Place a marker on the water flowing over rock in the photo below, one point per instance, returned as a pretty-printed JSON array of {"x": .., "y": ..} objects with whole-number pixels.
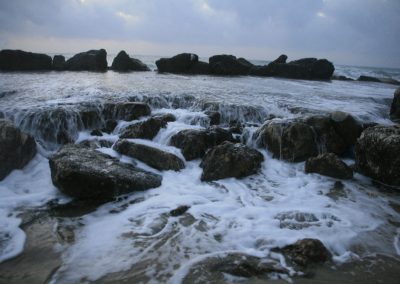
[
  {"x": 307, "y": 251},
  {"x": 230, "y": 160},
  {"x": 126, "y": 110},
  {"x": 123, "y": 63},
  {"x": 85, "y": 173},
  {"x": 59, "y": 63},
  {"x": 328, "y": 165},
  {"x": 16, "y": 148},
  {"x": 146, "y": 129},
  {"x": 395, "y": 107},
  {"x": 185, "y": 63},
  {"x": 377, "y": 154},
  {"x": 214, "y": 116},
  {"x": 92, "y": 60},
  {"x": 229, "y": 65},
  {"x": 18, "y": 60},
  {"x": 153, "y": 157},
  {"x": 194, "y": 143}
]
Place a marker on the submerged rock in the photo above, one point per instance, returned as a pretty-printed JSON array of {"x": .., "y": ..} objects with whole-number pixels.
[
  {"x": 85, "y": 173},
  {"x": 328, "y": 165},
  {"x": 126, "y": 110},
  {"x": 229, "y": 65},
  {"x": 59, "y": 63},
  {"x": 307, "y": 251},
  {"x": 146, "y": 129},
  {"x": 185, "y": 63},
  {"x": 123, "y": 63},
  {"x": 395, "y": 107},
  {"x": 377, "y": 154},
  {"x": 194, "y": 143},
  {"x": 230, "y": 160},
  {"x": 153, "y": 157},
  {"x": 179, "y": 211},
  {"x": 92, "y": 60},
  {"x": 214, "y": 116},
  {"x": 16, "y": 148},
  {"x": 18, "y": 60}
]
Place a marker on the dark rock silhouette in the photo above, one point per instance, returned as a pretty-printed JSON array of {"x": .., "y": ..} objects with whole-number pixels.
[
  {"x": 123, "y": 63},
  {"x": 59, "y": 63},
  {"x": 92, "y": 60},
  {"x": 18, "y": 60}
]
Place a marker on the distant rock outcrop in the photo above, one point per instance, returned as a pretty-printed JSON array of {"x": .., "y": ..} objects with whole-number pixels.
[
  {"x": 59, "y": 63},
  {"x": 18, "y": 60},
  {"x": 365, "y": 78},
  {"x": 395, "y": 107},
  {"x": 229, "y": 65},
  {"x": 123, "y": 63},
  {"x": 92, "y": 60},
  {"x": 184, "y": 63}
]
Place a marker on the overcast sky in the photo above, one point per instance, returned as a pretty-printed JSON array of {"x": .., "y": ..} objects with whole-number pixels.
[{"x": 354, "y": 32}]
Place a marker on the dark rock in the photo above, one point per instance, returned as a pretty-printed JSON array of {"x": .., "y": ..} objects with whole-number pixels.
[
  {"x": 123, "y": 63},
  {"x": 281, "y": 59},
  {"x": 307, "y": 251},
  {"x": 153, "y": 157},
  {"x": 59, "y": 63},
  {"x": 341, "y": 78},
  {"x": 228, "y": 65},
  {"x": 389, "y": 81},
  {"x": 91, "y": 117},
  {"x": 377, "y": 154},
  {"x": 194, "y": 143},
  {"x": 16, "y": 148},
  {"x": 346, "y": 126},
  {"x": 215, "y": 117},
  {"x": 328, "y": 165},
  {"x": 96, "y": 132},
  {"x": 179, "y": 211},
  {"x": 85, "y": 173},
  {"x": 395, "y": 107},
  {"x": 186, "y": 63},
  {"x": 368, "y": 79},
  {"x": 92, "y": 60},
  {"x": 110, "y": 125},
  {"x": 126, "y": 111},
  {"x": 95, "y": 144},
  {"x": 18, "y": 60},
  {"x": 166, "y": 117},
  {"x": 230, "y": 160},
  {"x": 146, "y": 129},
  {"x": 235, "y": 127}
]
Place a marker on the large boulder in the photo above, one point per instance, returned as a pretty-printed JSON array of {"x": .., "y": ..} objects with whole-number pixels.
[
  {"x": 92, "y": 60},
  {"x": 18, "y": 60},
  {"x": 194, "y": 142},
  {"x": 85, "y": 173},
  {"x": 59, "y": 63},
  {"x": 126, "y": 110},
  {"x": 230, "y": 160},
  {"x": 377, "y": 154},
  {"x": 123, "y": 63},
  {"x": 328, "y": 164},
  {"x": 346, "y": 126},
  {"x": 229, "y": 65},
  {"x": 16, "y": 148},
  {"x": 307, "y": 251},
  {"x": 395, "y": 107},
  {"x": 146, "y": 129},
  {"x": 185, "y": 63},
  {"x": 153, "y": 157}
]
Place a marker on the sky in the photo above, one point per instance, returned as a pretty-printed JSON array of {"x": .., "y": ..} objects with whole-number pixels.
[{"x": 351, "y": 32}]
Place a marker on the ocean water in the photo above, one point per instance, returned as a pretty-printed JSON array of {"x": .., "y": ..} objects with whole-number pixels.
[{"x": 134, "y": 238}]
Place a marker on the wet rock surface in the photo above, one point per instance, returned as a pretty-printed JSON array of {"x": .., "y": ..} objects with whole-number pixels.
[
  {"x": 376, "y": 154},
  {"x": 330, "y": 165},
  {"x": 92, "y": 60},
  {"x": 124, "y": 63},
  {"x": 18, "y": 60},
  {"x": 179, "y": 211},
  {"x": 85, "y": 173},
  {"x": 153, "y": 157},
  {"x": 146, "y": 129},
  {"x": 346, "y": 126},
  {"x": 16, "y": 148},
  {"x": 126, "y": 110},
  {"x": 230, "y": 160}
]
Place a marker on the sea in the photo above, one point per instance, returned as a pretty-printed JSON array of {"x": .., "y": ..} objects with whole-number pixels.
[{"x": 133, "y": 239}]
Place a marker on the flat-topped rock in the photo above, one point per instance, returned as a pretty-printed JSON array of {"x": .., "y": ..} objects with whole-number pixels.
[
  {"x": 18, "y": 60},
  {"x": 92, "y": 60},
  {"x": 184, "y": 63}
]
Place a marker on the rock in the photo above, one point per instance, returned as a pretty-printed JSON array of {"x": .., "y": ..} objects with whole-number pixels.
[
  {"x": 58, "y": 63},
  {"x": 346, "y": 126},
  {"x": 92, "y": 60},
  {"x": 194, "y": 143},
  {"x": 85, "y": 173},
  {"x": 166, "y": 117},
  {"x": 18, "y": 60},
  {"x": 376, "y": 154},
  {"x": 16, "y": 148},
  {"x": 185, "y": 63},
  {"x": 110, "y": 125},
  {"x": 368, "y": 79},
  {"x": 126, "y": 111},
  {"x": 179, "y": 211},
  {"x": 307, "y": 251},
  {"x": 293, "y": 141},
  {"x": 235, "y": 127},
  {"x": 281, "y": 59},
  {"x": 389, "y": 81},
  {"x": 228, "y": 65},
  {"x": 395, "y": 107},
  {"x": 328, "y": 165},
  {"x": 214, "y": 116},
  {"x": 153, "y": 157},
  {"x": 91, "y": 117},
  {"x": 230, "y": 160},
  {"x": 146, "y": 129},
  {"x": 123, "y": 63},
  {"x": 96, "y": 132},
  {"x": 341, "y": 78},
  {"x": 94, "y": 144}
]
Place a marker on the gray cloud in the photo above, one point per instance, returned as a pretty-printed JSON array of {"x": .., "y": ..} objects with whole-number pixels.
[{"x": 365, "y": 32}]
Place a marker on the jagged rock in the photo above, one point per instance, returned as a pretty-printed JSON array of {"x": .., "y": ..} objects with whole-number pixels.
[
  {"x": 16, "y": 148},
  {"x": 307, "y": 251},
  {"x": 85, "y": 173},
  {"x": 328, "y": 165},
  {"x": 215, "y": 117},
  {"x": 186, "y": 63},
  {"x": 126, "y": 110},
  {"x": 281, "y": 59},
  {"x": 92, "y": 60},
  {"x": 229, "y": 65},
  {"x": 123, "y": 63},
  {"x": 18, "y": 60},
  {"x": 194, "y": 143},
  {"x": 153, "y": 157},
  {"x": 146, "y": 129},
  {"x": 179, "y": 211},
  {"x": 230, "y": 160},
  {"x": 59, "y": 63},
  {"x": 346, "y": 126},
  {"x": 395, "y": 107},
  {"x": 377, "y": 154}
]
